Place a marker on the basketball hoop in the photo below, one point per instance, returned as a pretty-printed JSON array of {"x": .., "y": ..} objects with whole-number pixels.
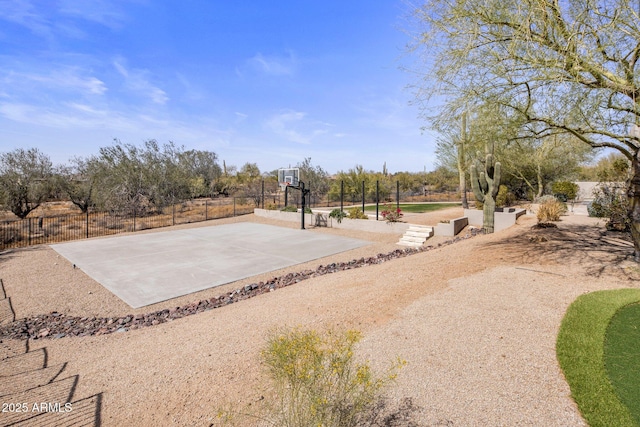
[{"x": 288, "y": 177}]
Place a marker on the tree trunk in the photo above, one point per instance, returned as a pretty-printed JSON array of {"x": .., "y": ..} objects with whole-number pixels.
[
  {"x": 461, "y": 162},
  {"x": 540, "y": 183},
  {"x": 634, "y": 205},
  {"x": 463, "y": 190}
]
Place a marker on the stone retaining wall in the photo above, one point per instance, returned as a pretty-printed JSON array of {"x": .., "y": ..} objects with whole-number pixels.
[
  {"x": 503, "y": 220},
  {"x": 370, "y": 225},
  {"x": 452, "y": 228}
]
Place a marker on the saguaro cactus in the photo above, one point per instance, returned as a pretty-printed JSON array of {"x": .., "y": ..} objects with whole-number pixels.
[{"x": 485, "y": 188}]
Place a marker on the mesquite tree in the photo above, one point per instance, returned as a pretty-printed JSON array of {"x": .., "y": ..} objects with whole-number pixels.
[
  {"x": 569, "y": 66},
  {"x": 26, "y": 179},
  {"x": 485, "y": 188}
]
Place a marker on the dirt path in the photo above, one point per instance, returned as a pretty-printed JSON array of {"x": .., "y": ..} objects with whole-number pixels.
[{"x": 476, "y": 322}]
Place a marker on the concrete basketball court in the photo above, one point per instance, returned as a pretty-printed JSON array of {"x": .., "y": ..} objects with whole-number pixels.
[{"x": 148, "y": 268}]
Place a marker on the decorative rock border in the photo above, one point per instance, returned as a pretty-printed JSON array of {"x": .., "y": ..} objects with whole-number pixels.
[{"x": 57, "y": 325}]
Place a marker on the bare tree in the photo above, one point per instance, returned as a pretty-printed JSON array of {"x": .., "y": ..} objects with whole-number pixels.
[{"x": 570, "y": 66}]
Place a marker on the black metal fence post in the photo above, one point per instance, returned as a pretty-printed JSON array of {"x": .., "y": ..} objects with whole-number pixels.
[
  {"x": 263, "y": 194},
  {"x": 173, "y": 214},
  {"x": 362, "y": 196},
  {"x": 44, "y": 230},
  {"x": 377, "y": 197},
  {"x": 341, "y": 195},
  {"x": 397, "y": 194}
]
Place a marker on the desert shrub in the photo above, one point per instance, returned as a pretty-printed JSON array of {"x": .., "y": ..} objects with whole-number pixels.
[
  {"x": 271, "y": 206},
  {"x": 356, "y": 213},
  {"x": 504, "y": 197},
  {"x": 289, "y": 208},
  {"x": 391, "y": 214},
  {"x": 550, "y": 209},
  {"x": 317, "y": 380},
  {"x": 338, "y": 214},
  {"x": 544, "y": 199},
  {"x": 565, "y": 190},
  {"x": 610, "y": 202}
]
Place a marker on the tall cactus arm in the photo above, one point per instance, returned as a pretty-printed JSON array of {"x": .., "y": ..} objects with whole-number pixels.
[
  {"x": 475, "y": 184},
  {"x": 497, "y": 172},
  {"x": 484, "y": 184}
]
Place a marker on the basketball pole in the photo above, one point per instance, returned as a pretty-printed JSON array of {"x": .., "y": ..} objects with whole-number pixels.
[{"x": 304, "y": 192}]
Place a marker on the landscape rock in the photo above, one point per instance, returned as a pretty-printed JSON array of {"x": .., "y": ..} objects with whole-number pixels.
[{"x": 57, "y": 325}]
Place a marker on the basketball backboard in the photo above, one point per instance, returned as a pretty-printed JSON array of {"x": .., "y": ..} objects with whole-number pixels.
[{"x": 288, "y": 176}]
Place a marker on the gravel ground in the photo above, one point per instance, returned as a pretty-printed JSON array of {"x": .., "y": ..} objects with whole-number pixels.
[{"x": 476, "y": 322}]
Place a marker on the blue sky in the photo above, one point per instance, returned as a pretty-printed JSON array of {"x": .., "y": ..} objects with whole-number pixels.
[{"x": 267, "y": 82}]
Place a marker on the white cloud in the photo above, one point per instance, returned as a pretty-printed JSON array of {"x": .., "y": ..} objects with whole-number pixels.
[
  {"x": 50, "y": 19},
  {"x": 127, "y": 124},
  {"x": 293, "y": 126},
  {"x": 138, "y": 81},
  {"x": 103, "y": 12},
  {"x": 240, "y": 117},
  {"x": 66, "y": 116},
  {"x": 23, "y": 12},
  {"x": 71, "y": 79},
  {"x": 275, "y": 65}
]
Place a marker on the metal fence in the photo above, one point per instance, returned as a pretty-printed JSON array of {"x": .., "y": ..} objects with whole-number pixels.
[
  {"x": 61, "y": 228},
  {"x": 45, "y": 229},
  {"x": 294, "y": 198}
]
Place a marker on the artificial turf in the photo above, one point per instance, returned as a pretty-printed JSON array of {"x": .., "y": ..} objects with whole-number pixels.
[
  {"x": 580, "y": 352},
  {"x": 415, "y": 207},
  {"x": 622, "y": 357}
]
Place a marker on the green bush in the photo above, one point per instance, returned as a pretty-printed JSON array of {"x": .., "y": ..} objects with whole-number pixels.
[
  {"x": 610, "y": 202},
  {"x": 337, "y": 214},
  {"x": 504, "y": 197},
  {"x": 292, "y": 208},
  {"x": 356, "y": 213},
  {"x": 565, "y": 190}
]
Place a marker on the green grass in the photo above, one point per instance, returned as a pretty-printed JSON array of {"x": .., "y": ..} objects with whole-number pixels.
[
  {"x": 622, "y": 357},
  {"x": 580, "y": 352},
  {"x": 415, "y": 208}
]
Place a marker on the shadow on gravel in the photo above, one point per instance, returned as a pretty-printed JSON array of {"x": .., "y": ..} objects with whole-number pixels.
[
  {"x": 598, "y": 250},
  {"x": 33, "y": 393},
  {"x": 7, "y": 254},
  {"x": 404, "y": 413}
]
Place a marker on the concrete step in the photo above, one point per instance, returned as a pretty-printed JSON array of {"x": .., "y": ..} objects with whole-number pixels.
[
  {"x": 410, "y": 244},
  {"x": 420, "y": 228},
  {"x": 416, "y": 235},
  {"x": 417, "y": 239}
]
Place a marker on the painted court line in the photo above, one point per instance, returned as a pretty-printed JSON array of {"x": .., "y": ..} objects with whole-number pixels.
[{"x": 145, "y": 269}]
